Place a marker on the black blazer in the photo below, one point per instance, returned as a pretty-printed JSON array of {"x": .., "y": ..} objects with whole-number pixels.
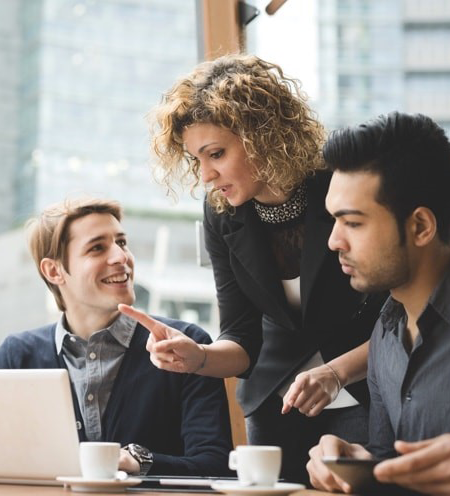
[{"x": 253, "y": 308}]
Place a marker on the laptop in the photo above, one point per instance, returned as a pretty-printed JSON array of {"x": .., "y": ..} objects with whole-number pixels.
[{"x": 38, "y": 434}]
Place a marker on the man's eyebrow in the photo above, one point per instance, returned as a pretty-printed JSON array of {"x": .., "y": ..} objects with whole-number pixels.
[
  {"x": 347, "y": 211},
  {"x": 103, "y": 237}
]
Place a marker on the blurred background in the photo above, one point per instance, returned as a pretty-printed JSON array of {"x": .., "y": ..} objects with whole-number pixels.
[{"x": 78, "y": 77}]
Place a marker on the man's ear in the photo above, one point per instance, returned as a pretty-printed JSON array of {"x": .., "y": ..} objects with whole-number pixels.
[
  {"x": 424, "y": 226},
  {"x": 52, "y": 270}
]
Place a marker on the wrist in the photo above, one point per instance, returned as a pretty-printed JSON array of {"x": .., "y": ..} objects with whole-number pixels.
[
  {"x": 143, "y": 457},
  {"x": 337, "y": 378},
  {"x": 202, "y": 362}
]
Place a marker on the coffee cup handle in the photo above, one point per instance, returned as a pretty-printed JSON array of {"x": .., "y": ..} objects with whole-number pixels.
[{"x": 232, "y": 460}]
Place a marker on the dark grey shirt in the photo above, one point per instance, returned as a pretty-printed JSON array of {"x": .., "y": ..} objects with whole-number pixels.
[
  {"x": 93, "y": 366},
  {"x": 410, "y": 387}
]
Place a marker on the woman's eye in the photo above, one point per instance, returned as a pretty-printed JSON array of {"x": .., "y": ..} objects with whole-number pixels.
[
  {"x": 217, "y": 154},
  {"x": 122, "y": 242}
]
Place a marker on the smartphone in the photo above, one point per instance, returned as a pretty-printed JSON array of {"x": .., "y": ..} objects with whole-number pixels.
[{"x": 356, "y": 472}]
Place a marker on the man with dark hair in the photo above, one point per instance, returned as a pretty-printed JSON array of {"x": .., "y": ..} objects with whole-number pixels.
[
  {"x": 167, "y": 423},
  {"x": 389, "y": 196}
]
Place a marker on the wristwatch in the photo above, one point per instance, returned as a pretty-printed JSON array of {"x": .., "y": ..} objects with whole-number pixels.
[{"x": 142, "y": 455}]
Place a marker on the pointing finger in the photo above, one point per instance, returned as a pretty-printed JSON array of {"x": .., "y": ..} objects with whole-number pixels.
[{"x": 159, "y": 331}]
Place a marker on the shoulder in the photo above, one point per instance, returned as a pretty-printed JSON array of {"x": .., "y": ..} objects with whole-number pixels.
[
  {"x": 226, "y": 222},
  {"x": 26, "y": 346},
  {"x": 34, "y": 337},
  {"x": 192, "y": 330}
]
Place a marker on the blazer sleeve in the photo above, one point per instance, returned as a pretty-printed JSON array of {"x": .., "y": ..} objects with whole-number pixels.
[
  {"x": 6, "y": 354},
  {"x": 240, "y": 319},
  {"x": 205, "y": 428}
]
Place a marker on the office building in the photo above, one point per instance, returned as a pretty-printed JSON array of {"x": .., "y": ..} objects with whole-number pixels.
[{"x": 381, "y": 55}]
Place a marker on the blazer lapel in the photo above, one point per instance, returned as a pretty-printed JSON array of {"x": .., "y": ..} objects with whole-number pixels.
[
  {"x": 248, "y": 242},
  {"x": 318, "y": 226}
]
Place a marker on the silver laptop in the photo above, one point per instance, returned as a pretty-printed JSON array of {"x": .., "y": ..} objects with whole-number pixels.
[{"x": 38, "y": 434}]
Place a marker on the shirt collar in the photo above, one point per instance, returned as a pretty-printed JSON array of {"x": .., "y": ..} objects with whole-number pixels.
[
  {"x": 393, "y": 311},
  {"x": 122, "y": 329},
  {"x": 440, "y": 297}
]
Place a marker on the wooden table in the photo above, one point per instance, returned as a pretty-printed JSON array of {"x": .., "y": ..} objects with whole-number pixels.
[{"x": 18, "y": 490}]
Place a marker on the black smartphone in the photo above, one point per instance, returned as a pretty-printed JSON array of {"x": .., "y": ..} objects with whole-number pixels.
[{"x": 356, "y": 472}]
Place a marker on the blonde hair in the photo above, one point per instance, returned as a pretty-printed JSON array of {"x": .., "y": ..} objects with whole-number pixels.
[
  {"x": 48, "y": 234},
  {"x": 254, "y": 100}
]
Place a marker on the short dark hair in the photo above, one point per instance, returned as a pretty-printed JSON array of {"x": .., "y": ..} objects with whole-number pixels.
[{"x": 410, "y": 153}]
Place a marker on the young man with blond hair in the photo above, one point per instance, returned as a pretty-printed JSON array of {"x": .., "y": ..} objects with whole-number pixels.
[{"x": 167, "y": 423}]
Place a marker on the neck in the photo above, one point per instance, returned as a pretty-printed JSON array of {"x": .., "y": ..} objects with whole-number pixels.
[
  {"x": 425, "y": 277},
  {"x": 85, "y": 325}
]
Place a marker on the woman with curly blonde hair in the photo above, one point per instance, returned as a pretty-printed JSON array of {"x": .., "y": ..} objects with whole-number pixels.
[{"x": 291, "y": 326}]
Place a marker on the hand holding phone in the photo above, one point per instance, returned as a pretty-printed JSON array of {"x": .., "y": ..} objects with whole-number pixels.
[{"x": 355, "y": 471}]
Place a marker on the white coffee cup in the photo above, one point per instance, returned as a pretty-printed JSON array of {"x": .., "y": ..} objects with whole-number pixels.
[
  {"x": 99, "y": 460},
  {"x": 256, "y": 465}
]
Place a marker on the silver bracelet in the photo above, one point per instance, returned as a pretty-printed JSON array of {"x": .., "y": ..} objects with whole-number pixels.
[
  {"x": 203, "y": 363},
  {"x": 335, "y": 376}
]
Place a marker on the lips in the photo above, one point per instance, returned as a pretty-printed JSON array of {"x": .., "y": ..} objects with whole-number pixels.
[
  {"x": 117, "y": 278},
  {"x": 225, "y": 190},
  {"x": 346, "y": 267}
]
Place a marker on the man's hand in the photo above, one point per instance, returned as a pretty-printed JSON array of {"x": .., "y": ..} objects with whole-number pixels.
[
  {"x": 424, "y": 466},
  {"x": 320, "y": 475},
  {"x": 128, "y": 463},
  {"x": 311, "y": 391},
  {"x": 169, "y": 348}
]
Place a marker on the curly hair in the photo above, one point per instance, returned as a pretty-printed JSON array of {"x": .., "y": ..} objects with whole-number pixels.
[{"x": 253, "y": 99}]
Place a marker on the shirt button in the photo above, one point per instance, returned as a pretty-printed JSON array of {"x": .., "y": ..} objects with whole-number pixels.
[
  {"x": 92, "y": 356},
  {"x": 408, "y": 397},
  {"x": 72, "y": 338},
  {"x": 78, "y": 424},
  {"x": 90, "y": 396}
]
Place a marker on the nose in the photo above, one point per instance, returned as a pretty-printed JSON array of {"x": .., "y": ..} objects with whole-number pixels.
[
  {"x": 118, "y": 255},
  {"x": 207, "y": 172},
  {"x": 336, "y": 240}
]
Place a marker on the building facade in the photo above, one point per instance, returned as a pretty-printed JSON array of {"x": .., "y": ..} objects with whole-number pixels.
[{"x": 381, "y": 55}]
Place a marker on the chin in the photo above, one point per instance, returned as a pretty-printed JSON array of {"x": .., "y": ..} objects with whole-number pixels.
[
  {"x": 358, "y": 285},
  {"x": 129, "y": 300}
]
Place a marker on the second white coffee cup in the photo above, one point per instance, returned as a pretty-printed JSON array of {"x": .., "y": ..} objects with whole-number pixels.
[
  {"x": 99, "y": 460},
  {"x": 256, "y": 465}
]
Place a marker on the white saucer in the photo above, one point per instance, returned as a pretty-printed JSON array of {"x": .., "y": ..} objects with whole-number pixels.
[
  {"x": 237, "y": 489},
  {"x": 81, "y": 485}
]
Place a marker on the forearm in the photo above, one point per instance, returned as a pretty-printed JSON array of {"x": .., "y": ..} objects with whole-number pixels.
[
  {"x": 224, "y": 358},
  {"x": 211, "y": 463},
  {"x": 351, "y": 366}
]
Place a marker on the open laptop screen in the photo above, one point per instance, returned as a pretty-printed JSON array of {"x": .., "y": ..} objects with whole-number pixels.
[{"x": 38, "y": 435}]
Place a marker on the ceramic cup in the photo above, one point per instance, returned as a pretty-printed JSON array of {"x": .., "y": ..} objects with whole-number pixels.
[
  {"x": 256, "y": 465},
  {"x": 99, "y": 460}
]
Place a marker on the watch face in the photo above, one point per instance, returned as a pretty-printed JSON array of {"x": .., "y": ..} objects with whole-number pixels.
[{"x": 141, "y": 453}]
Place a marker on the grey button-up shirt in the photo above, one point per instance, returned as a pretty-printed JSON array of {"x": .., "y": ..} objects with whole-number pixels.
[
  {"x": 410, "y": 388},
  {"x": 93, "y": 366}
]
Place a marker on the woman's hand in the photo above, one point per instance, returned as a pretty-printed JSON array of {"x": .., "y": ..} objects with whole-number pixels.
[
  {"x": 169, "y": 348},
  {"x": 312, "y": 391},
  {"x": 320, "y": 475}
]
